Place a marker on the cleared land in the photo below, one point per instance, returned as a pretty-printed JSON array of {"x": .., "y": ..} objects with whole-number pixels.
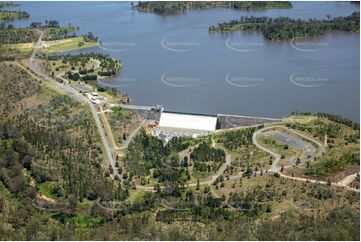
[{"x": 69, "y": 44}]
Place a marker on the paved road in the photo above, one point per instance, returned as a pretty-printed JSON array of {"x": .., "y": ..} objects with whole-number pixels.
[
  {"x": 276, "y": 168},
  {"x": 77, "y": 96},
  {"x": 131, "y": 136},
  {"x": 295, "y": 142}
]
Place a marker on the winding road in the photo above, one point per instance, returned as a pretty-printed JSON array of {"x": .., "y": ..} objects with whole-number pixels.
[
  {"x": 277, "y": 168},
  {"x": 109, "y": 151},
  {"x": 77, "y": 96}
]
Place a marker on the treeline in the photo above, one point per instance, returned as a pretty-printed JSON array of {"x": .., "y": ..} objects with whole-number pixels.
[
  {"x": 206, "y": 158},
  {"x": 333, "y": 117},
  {"x": 285, "y": 28},
  {"x": 13, "y": 15},
  {"x": 78, "y": 64},
  {"x": 144, "y": 153},
  {"x": 159, "y": 7},
  {"x": 11, "y": 35},
  {"x": 52, "y": 141},
  {"x": 204, "y": 152},
  {"x": 53, "y": 31},
  {"x": 235, "y": 139},
  {"x": 327, "y": 166}
]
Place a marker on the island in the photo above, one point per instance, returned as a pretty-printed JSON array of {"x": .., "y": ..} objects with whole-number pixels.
[
  {"x": 161, "y": 7},
  {"x": 284, "y": 28},
  {"x": 7, "y": 15},
  {"x": 77, "y": 165}
]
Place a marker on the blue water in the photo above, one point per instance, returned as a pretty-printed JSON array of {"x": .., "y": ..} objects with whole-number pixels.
[{"x": 174, "y": 61}]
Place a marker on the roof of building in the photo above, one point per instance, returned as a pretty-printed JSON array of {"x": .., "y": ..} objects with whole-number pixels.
[{"x": 188, "y": 121}]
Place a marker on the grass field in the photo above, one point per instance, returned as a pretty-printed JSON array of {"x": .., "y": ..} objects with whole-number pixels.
[
  {"x": 21, "y": 51},
  {"x": 67, "y": 45}
]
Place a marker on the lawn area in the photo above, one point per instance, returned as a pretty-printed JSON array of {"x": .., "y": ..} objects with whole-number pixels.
[
  {"x": 63, "y": 45},
  {"x": 276, "y": 146},
  {"x": 22, "y": 50},
  {"x": 47, "y": 189}
]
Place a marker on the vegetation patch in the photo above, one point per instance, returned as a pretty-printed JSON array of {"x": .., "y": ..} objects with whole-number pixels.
[
  {"x": 182, "y": 6},
  {"x": 13, "y": 15},
  {"x": 84, "y": 67},
  {"x": 284, "y": 28},
  {"x": 122, "y": 122}
]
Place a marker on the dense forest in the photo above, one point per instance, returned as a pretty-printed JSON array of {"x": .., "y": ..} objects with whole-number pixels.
[
  {"x": 50, "y": 154},
  {"x": 207, "y": 158},
  {"x": 56, "y": 182},
  {"x": 159, "y": 7},
  {"x": 54, "y": 185},
  {"x": 285, "y": 28},
  {"x": 6, "y": 15},
  {"x": 11, "y": 35},
  {"x": 235, "y": 139}
]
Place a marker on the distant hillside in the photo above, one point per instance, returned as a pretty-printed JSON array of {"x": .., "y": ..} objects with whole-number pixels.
[{"x": 160, "y": 7}]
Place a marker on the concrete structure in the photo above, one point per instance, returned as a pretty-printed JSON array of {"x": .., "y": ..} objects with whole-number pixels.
[
  {"x": 226, "y": 121},
  {"x": 188, "y": 121}
]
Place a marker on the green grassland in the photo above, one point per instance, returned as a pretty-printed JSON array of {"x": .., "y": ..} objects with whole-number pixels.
[
  {"x": 68, "y": 44},
  {"x": 17, "y": 51}
]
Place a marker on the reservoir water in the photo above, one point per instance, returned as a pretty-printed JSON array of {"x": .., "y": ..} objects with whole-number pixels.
[{"x": 174, "y": 61}]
